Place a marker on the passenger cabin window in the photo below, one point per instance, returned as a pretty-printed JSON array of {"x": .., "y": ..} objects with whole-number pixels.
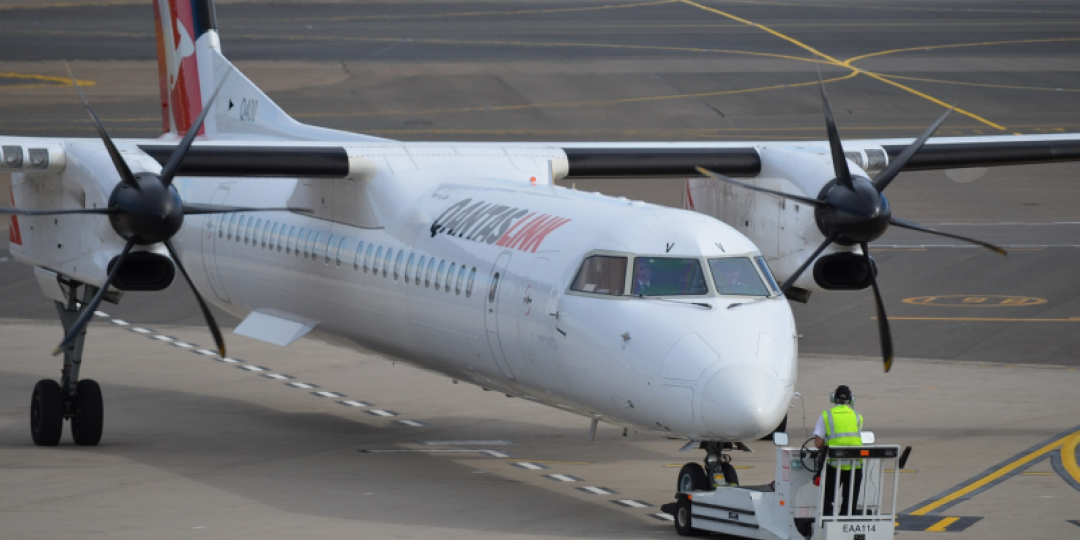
[
  {"x": 325, "y": 248},
  {"x": 368, "y": 258},
  {"x": 340, "y": 249},
  {"x": 247, "y": 229},
  {"x": 290, "y": 248},
  {"x": 358, "y": 258},
  {"x": 663, "y": 276},
  {"x": 430, "y": 272},
  {"x": 601, "y": 274},
  {"x": 386, "y": 262},
  {"x": 420, "y": 268},
  {"x": 737, "y": 276},
  {"x": 376, "y": 262},
  {"x": 439, "y": 274},
  {"x": 309, "y": 246},
  {"x": 409, "y": 267},
  {"x": 397, "y": 264},
  {"x": 460, "y": 280},
  {"x": 231, "y": 227},
  {"x": 257, "y": 233},
  {"x": 472, "y": 280},
  {"x": 449, "y": 276},
  {"x": 266, "y": 237}
]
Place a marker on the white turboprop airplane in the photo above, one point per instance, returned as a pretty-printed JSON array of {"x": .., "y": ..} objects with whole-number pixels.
[{"x": 465, "y": 259}]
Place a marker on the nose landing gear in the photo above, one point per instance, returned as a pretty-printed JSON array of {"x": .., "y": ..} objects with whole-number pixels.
[
  {"x": 71, "y": 399},
  {"x": 717, "y": 471}
]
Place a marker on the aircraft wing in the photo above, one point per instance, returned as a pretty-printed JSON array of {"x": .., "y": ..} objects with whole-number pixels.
[{"x": 640, "y": 159}]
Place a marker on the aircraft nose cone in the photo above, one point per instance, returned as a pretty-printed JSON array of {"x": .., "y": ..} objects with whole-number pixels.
[{"x": 742, "y": 403}]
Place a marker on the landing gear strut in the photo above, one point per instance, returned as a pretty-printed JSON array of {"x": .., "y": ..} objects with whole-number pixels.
[
  {"x": 72, "y": 399},
  {"x": 718, "y": 468}
]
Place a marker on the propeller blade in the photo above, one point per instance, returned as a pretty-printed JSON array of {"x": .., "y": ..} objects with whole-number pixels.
[
  {"x": 800, "y": 198},
  {"x": 21, "y": 212},
  {"x": 218, "y": 339},
  {"x": 88, "y": 310},
  {"x": 900, "y": 222},
  {"x": 893, "y": 168},
  {"x": 839, "y": 160},
  {"x": 791, "y": 280},
  {"x": 118, "y": 161},
  {"x": 196, "y": 209},
  {"x": 173, "y": 165},
  {"x": 882, "y": 321}
]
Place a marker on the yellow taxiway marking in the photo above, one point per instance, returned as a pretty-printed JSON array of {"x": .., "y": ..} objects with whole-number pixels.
[
  {"x": 975, "y": 300},
  {"x": 942, "y": 525},
  {"x": 46, "y": 80},
  {"x": 551, "y": 461},
  {"x": 1068, "y": 456},
  {"x": 978, "y": 319},
  {"x": 467, "y": 13},
  {"x": 980, "y": 85},
  {"x": 846, "y": 63},
  {"x": 899, "y": 8},
  {"x": 956, "y": 46},
  {"x": 1072, "y": 438}
]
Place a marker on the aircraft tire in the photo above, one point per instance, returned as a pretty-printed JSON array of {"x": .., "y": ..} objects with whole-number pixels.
[
  {"x": 692, "y": 478},
  {"x": 89, "y": 417},
  {"x": 684, "y": 521},
  {"x": 46, "y": 413},
  {"x": 730, "y": 476}
]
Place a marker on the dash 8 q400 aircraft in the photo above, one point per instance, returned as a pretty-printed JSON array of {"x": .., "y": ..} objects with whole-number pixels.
[{"x": 466, "y": 259}]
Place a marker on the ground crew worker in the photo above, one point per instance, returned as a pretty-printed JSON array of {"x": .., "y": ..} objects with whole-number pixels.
[{"x": 840, "y": 426}]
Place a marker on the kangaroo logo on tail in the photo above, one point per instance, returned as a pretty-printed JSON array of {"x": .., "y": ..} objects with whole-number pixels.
[{"x": 178, "y": 31}]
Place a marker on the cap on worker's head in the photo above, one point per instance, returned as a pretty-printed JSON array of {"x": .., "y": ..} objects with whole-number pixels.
[{"x": 842, "y": 394}]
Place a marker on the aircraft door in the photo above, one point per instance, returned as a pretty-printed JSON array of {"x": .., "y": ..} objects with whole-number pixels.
[
  {"x": 212, "y": 235},
  {"x": 491, "y": 312}
]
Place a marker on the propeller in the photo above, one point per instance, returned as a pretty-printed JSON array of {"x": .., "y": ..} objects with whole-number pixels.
[
  {"x": 144, "y": 209},
  {"x": 853, "y": 210}
]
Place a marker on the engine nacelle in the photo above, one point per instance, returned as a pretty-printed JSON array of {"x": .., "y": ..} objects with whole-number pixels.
[
  {"x": 144, "y": 271},
  {"x": 843, "y": 272}
]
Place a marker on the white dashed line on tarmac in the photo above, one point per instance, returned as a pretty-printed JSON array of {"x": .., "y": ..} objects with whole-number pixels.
[
  {"x": 120, "y": 322},
  {"x": 228, "y": 360},
  {"x": 597, "y": 490},
  {"x": 630, "y": 503},
  {"x": 381, "y": 412},
  {"x": 562, "y": 478},
  {"x": 354, "y": 403},
  {"x": 249, "y": 367},
  {"x": 277, "y": 376},
  {"x": 161, "y": 337},
  {"x": 663, "y": 517},
  {"x": 101, "y": 314},
  {"x": 324, "y": 393},
  {"x": 529, "y": 466},
  {"x": 183, "y": 345},
  {"x": 302, "y": 385},
  {"x": 140, "y": 330},
  {"x": 410, "y": 423}
]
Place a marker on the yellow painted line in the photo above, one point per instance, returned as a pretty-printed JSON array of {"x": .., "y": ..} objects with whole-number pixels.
[
  {"x": 848, "y": 7},
  {"x": 932, "y": 99},
  {"x": 58, "y": 81},
  {"x": 549, "y": 461},
  {"x": 847, "y": 64},
  {"x": 957, "y": 46},
  {"x": 980, "y": 85},
  {"x": 979, "y": 319},
  {"x": 1068, "y": 456},
  {"x": 466, "y": 14},
  {"x": 942, "y": 525},
  {"x": 764, "y": 28},
  {"x": 1037, "y": 474},
  {"x": 572, "y": 104},
  {"x": 974, "y": 486}
]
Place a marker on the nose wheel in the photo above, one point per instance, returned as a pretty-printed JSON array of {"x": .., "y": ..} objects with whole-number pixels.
[
  {"x": 78, "y": 401},
  {"x": 717, "y": 469}
]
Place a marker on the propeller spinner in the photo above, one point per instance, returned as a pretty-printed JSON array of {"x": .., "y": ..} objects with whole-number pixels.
[{"x": 853, "y": 210}]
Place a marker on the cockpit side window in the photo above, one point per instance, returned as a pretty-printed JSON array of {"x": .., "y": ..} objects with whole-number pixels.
[
  {"x": 737, "y": 276},
  {"x": 601, "y": 274},
  {"x": 663, "y": 276},
  {"x": 769, "y": 279}
]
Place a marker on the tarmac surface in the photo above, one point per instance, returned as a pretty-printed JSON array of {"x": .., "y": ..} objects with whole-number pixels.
[{"x": 988, "y": 348}]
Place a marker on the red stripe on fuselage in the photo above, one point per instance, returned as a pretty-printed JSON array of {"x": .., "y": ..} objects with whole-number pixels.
[{"x": 14, "y": 234}]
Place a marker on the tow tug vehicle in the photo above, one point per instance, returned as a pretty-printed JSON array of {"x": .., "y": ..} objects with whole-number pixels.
[{"x": 792, "y": 506}]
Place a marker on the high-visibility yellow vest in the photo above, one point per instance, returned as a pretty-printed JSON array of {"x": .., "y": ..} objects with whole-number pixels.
[{"x": 842, "y": 428}]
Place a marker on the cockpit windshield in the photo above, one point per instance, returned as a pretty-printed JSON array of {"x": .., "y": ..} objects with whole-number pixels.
[
  {"x": 737, "y": 276},
  {"x": 662, "y": 276}
]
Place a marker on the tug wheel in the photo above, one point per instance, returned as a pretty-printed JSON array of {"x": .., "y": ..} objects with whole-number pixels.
[{"x": 684, "y": 519}]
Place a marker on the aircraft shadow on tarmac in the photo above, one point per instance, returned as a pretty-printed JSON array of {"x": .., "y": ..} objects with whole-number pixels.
[{"x": 309, "y": 464}]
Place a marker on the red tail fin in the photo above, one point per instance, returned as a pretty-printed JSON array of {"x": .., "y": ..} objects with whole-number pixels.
[{"x": 183, "y": 26}]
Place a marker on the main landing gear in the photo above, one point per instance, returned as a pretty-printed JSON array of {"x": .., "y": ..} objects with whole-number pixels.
[
  {"x": 71, "y": 399},
  {"x": 717, "y": 471}
]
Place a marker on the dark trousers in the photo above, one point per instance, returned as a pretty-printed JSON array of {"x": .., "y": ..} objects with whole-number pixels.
[{"x": 845, "y": 480}]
